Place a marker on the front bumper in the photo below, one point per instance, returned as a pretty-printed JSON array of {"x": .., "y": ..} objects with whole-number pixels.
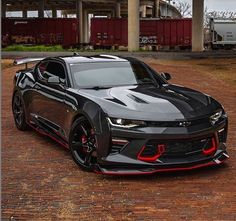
[
  {"x": 218, "y": 159},
  {"x": 126, "y": 162}
]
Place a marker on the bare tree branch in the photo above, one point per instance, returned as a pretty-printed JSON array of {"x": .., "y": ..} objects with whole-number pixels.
[
  {"x": 217, "y": 14},
  {"x": 184, "y": 8}
]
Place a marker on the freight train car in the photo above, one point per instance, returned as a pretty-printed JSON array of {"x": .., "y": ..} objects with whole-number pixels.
[
  {"x": 223, "y": 33},
  {"x": 153, "y": 32},
  {"x": 105, "y": 33},
  {"x": 46, "y": 31}
]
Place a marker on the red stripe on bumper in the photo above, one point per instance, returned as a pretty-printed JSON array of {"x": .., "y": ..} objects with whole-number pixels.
[{"x": 160, "y": 170}]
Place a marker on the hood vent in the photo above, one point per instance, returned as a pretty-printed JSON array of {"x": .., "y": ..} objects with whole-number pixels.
[{"x": 137, "y": 99}]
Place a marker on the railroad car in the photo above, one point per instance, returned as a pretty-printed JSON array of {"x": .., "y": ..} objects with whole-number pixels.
[
  {"x": 223, "y": 33},
  {"x": 154, "y": 32},
  {"x": 46, "y": 31}
]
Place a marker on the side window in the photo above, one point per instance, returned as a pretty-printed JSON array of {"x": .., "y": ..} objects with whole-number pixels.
[{"x": 55, "y": 69}]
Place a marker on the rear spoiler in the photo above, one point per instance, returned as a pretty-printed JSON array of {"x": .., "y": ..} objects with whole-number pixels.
[{"x": 26, "y": 61}]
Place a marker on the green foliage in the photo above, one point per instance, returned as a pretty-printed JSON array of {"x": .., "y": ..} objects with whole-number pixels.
[
  {"x": 33, "y": 48},
  {"x": 52, "y": 48}
]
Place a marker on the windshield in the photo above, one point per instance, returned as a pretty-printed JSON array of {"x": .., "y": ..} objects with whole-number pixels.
[{"x": 110, "y": 74}]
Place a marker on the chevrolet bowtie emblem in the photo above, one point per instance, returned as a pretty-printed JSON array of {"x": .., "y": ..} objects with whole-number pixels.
[{"x": 184, "y": 124}]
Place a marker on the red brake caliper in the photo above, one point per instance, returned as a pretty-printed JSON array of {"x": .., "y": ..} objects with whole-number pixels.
[{"x": 84, "y": 141}]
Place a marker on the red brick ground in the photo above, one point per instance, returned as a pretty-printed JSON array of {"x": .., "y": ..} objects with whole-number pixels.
[{"x": 41, "y": 182}]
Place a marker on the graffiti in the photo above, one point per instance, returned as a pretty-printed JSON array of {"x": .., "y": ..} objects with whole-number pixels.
[
  {"x": 20, "y": 22},
  {"x": 19, "y": 39},
  {"x": 145, "y": 40},
  {"x": 29, "y": 39},
  {"x": 51, "y": 38}
]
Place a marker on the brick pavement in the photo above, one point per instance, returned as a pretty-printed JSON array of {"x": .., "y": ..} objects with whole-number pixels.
[{"x": 41, "y": 182}]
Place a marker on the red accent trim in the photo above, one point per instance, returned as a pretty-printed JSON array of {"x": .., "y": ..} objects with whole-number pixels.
[
  {"x": 212, "y": 149},
  {"x": 159, "y": 170},
  {"x": 160, "y": 151},
  {"x": 50, "y": 136}
]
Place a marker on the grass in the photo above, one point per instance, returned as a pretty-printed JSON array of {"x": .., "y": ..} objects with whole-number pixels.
[
  {"x": 53, "y": 48},
  {"x": 33, "y": 48}
]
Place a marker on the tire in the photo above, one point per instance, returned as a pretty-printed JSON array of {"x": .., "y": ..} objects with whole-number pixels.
[
  {"x": 82, "y": 143},
  {"x": 18, "y": 109}
]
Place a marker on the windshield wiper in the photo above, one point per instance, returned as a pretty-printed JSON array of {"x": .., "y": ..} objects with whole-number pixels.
[{"x": 98, "y": 87}]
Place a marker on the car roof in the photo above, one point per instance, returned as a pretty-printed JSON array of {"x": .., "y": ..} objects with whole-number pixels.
[{"x": 95, "y": 58}]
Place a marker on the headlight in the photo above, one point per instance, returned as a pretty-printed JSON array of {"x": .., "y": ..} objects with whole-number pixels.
[
  {"x": 124, "y": 123},
  {"x": 215, "y": 117}
]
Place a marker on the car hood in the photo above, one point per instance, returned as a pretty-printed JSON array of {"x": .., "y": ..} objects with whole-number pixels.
[{"x": 145, "y": 102}]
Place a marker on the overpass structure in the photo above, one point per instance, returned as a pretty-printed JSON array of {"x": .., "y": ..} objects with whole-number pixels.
[{"x": 115, "y": 8}]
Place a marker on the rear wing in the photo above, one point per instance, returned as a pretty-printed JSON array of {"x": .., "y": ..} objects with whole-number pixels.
[{"x": 26, "y": 61}]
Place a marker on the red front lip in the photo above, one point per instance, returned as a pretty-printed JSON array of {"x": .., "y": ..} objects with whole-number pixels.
[{"x": 160, "y": 170}]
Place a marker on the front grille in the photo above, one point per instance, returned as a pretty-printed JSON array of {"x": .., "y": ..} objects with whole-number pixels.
[
  {"x": 178, "y": 123},
  {"x": 183, "y": 148}
]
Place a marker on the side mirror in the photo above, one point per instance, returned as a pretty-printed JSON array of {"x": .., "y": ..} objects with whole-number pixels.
[
  {"x": 54, "y": 80},
  {"x": 166, "y": 76}
]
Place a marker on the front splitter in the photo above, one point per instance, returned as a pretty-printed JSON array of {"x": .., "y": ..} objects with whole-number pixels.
[{"x": 147, "y": 171}]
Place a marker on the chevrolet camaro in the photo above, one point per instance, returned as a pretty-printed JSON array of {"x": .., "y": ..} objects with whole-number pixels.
[{"x": 119, "y": 116}]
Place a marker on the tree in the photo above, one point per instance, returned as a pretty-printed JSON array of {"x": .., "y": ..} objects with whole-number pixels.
[
  {"x": 184, "y": 8},
  {"x": 217, "y": 14}
]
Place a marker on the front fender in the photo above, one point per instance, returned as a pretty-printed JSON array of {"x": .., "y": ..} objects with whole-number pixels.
[
  {"x": 78, "y": 106},
  {"x": 97, "y": 118}
]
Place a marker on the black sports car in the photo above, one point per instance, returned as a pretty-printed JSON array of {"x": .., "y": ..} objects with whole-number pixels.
[{"x": 118, "y": 116}]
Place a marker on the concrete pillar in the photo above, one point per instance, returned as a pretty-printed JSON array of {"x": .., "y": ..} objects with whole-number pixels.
[
  {"x": 157, "y": 8},
  {"x": 118, "y": 10},
  {"x": 85, "y": 26},
  {"x": 197, "y": 25},
  {"x": 113, "y": 13},
  {"x": 4, "y": 9},
  {"x": 133, "y": 25},
  {"x": 41, "y": 9},
  {"x": 79, "y": 15},
  {"x": 144, "y": 11},
  {"x": 54, "y": 13},
  {"x": 24, "y": 13}
]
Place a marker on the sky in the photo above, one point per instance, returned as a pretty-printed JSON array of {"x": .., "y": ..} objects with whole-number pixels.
[{"x": 217, "y": 5}]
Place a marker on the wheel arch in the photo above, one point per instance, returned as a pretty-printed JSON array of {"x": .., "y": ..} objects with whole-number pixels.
[{"x": 15, "y": 90}]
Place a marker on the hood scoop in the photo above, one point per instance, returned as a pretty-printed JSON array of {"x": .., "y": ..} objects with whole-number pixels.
[
  {"x": 116, "y": 101},
  {"x": 136, "y": 99}
]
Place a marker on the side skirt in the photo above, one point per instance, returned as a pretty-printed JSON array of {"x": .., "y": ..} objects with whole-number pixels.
[{"x": 54, "y": 136}]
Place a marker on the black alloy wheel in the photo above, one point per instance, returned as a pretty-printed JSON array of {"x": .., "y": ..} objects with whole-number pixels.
[
  {"x": 19, "y": 111},
  {"x": 82, "y": 143}
]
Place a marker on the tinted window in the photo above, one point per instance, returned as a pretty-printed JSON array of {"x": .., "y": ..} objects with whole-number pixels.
[
  {"x": 55, "y": 69},
  {"x": 110, "y": 74}
]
